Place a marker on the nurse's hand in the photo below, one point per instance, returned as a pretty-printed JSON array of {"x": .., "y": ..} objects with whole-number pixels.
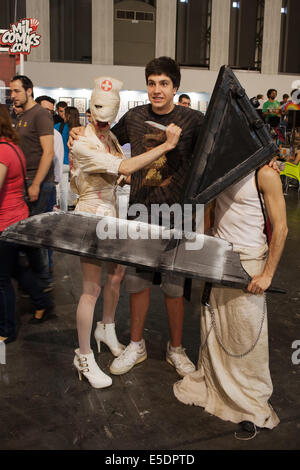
[{"x": 74, "y": 134}]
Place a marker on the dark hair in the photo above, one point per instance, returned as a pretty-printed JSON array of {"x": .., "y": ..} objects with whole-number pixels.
[
  {"x": 72, "y": 117},
  {"x": 296, "y": 89},
  {"x": 183, "y": 96},
  {"x": 164, "y": 65},
  {"x": 26, "y": 82},
  {"x": 39, "y": 99},
  {"x": 6, "y": 129},
  {"x": 61, "y": 104},
  {"x": 88, "y": 111},
  {"x": 259, "y": 97},
  {"x": 254, "y": 102},
  {"x": 270, "y": 91},
  {"x": 285, "y": 95}
]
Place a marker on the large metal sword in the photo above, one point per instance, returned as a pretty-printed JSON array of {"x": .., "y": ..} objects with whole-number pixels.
[{"x": 143, "y": 245}]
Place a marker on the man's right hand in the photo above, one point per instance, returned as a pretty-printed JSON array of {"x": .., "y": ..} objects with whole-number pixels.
[
  {"x": 74, "y": 134},
  {"x": 173, "y": 134}
]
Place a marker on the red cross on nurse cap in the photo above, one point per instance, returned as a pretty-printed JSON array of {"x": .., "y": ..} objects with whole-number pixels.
[{"x": 108, "y": 85}]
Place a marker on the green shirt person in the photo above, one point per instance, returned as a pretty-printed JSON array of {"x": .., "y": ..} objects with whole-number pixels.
[{"x": 271, "y": 107}]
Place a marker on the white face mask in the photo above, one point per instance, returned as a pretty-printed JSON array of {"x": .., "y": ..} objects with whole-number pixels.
[{"x": 105, "y": 99}]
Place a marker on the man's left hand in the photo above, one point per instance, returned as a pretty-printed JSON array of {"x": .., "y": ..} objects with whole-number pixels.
[
  {"x": 273, "y": 164},
  {"x": 259, "y": 284}
]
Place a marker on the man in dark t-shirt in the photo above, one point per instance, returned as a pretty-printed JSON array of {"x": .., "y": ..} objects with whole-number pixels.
[
  {"x": 32, "y": 125},
  {"x": 161, "y": 183},
  {"x": 35, "y": 129}
]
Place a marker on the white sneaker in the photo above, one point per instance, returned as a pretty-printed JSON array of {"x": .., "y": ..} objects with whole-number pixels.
[
  {"x": 87, "y": 367},
  {"x": 131, "y": 356},
  {"x": 179, "y": 360}
]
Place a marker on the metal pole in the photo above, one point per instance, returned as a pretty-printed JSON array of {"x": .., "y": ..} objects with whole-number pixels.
[
  {"x": 21, "y": 55},
  {"x": 16, "y": 7}
]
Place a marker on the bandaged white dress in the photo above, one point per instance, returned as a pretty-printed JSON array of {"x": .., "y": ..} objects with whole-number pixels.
[{"x": 94, "y": 172}]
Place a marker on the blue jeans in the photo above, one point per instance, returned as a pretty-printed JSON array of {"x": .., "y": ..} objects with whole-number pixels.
[
  {"x": 51, "y": 204},
  {"x": 38, "y": 257},
  {"x": 11, "y": 267},
  {"x": 46, "y": 193}
]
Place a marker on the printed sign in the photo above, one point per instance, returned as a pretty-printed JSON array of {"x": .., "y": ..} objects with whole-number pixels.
[{"x": 21, "y": 36}]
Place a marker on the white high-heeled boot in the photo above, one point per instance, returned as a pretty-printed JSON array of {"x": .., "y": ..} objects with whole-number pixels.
[
  {"x": 87, "y": 366},
  {"x": 107, "y": 334}
]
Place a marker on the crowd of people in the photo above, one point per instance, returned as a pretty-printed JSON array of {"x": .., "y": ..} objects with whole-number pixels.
[
  {"x": 284, "y": 131},
  {"x": 229, "y": 382}
]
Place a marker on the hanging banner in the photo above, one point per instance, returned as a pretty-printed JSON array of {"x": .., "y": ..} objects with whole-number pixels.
[{"x": 21, "y": 36}]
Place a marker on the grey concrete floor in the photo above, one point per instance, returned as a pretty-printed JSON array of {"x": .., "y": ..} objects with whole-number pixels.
[{"x": 45, "y": 406}]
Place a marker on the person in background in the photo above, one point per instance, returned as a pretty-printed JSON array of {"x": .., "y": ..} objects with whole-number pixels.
[
  {"x": 72, "y": 117},
  {"x": 285, "y": 99},
  {"x": 261, "y": 100},
  {"x": 184, "y": 100},
  {"x": 35, "y": 129},
  {"x": 48, "y": 103},
  {"x": 60, "y": 112},
  {"x": 63, "y": 128},
  {"x": 13, "y": 209},
  {"x": 73, "y": 120},
  {"x": 271, "y": 108},
  {"x": 88, "y": 115},
  {"x": 283, "y": 104}
]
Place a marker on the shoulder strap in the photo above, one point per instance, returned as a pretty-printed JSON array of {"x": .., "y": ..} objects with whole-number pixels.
[
  {"x": 268, "y": 227},
  {"x": 21, "y": 163},
  {"x": 259, "y": 196}
]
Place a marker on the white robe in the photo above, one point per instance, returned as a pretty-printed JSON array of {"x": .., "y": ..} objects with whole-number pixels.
[{"x": 233, "y": 388}]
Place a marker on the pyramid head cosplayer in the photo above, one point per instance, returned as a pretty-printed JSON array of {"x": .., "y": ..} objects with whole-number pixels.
[{"x": 233, "y": 142}]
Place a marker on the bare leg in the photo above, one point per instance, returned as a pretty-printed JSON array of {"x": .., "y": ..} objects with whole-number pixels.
[
  {"x": 139, "y": 304},
  {"x": 111, "y": 291},
  {"x": 175, "y": 309},
  {"x": 91, "y": 277}
]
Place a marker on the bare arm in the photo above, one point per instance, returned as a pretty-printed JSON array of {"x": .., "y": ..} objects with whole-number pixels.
[
  {"x": 297, "y": 159},
  {"x": 3, "y": 171},
  {"x": 45, "y": 163},
  {"x": 100, "y": 162},
  {"x": 271, "y": 187},
  {"x": 130, "y": 165}
]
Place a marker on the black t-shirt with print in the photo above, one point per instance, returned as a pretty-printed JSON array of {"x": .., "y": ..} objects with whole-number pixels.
[{"x": 162, "y": 181}]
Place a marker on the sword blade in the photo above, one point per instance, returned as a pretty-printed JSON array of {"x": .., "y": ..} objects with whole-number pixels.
[{"x": 156, "y": 125}]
